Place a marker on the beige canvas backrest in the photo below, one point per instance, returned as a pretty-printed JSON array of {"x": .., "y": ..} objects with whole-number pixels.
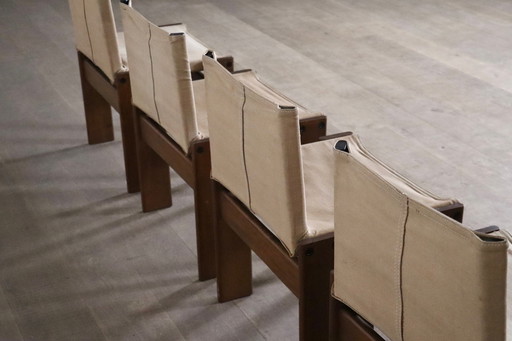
[
  {"x": 160, "y": 76},
  {"x": 408, "y": 269},
  {"x": 95, "y": 34},
  {"x": 255, "y": 147}
]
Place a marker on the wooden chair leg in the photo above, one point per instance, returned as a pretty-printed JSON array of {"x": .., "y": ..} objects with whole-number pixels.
[
  {"x": 155, "y": 180},
  {"x": 311, "y": 129},
  {"x": 203, "y": 198},
  {"x": 234, "y": 265},
  {"x": 127, "y": 119},
  {"x": 316, "y": 260},
  {"x": 98, "y": 115}
]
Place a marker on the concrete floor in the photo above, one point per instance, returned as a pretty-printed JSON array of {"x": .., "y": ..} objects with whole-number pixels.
[{"x": 427, "y": 84}]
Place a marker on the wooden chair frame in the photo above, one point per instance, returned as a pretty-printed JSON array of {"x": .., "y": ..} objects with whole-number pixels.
[
  {"x": 99, "y": 96},
  {"x": 238, "y": 232},
  {"x": 158, "y": 151},
  {"x": 307, "y": 275}
]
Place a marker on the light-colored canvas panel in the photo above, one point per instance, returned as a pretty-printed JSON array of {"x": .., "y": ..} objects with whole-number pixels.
[
  {"x": 95, "y": 34},
  {"x": 411, "y": 271},
  {"x": 224, "y": 102}
]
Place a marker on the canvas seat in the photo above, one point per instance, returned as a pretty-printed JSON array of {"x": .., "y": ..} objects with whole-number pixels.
[
  {"x": 413, "y": 273},
  {"x": 274, "y": 195}
]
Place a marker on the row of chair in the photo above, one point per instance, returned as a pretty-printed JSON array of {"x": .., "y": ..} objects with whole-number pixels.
[{"x": 267, "y": 179}]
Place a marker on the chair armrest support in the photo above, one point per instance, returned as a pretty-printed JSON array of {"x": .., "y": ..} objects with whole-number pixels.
[
  {"x": 334, "y": 136},
  {"x": 241, "y": 71},
  {"x": 488, "y": 229},
  {"x": 227, "y": 62},
  {"x": 174, "y": 24}
]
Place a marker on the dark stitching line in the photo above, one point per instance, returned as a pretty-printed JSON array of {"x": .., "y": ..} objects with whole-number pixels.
[
  {"x": 87, "y": 28},
  {"x": 153, "y": 74},
  {"x": 243, "y": 149},
  {"x": 401, "y": 274}
]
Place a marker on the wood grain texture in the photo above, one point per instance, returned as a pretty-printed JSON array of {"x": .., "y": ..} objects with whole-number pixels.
[
  {"x": 427, "y": 84},
  {"x": 98, "y": 116},
  {"x": 203, "y": 198}
]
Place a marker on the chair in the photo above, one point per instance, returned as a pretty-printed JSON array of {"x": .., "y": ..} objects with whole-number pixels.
[
  {"x": 273, "y": 196},
  {"x": 406, "y": 269},
  {"x": 173, "y": 131},
  {"x": 105, "y": 78}
]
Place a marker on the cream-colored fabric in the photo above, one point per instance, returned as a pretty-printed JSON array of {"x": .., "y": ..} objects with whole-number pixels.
[
  {"x": 358, "y": 151},
  {"x": 225, "y": 98},
  {"x": 122, "y": 48},
  {"x": 255, "y": 148},
  {"x": 95, "y": 34},
  {"x": 408, "y": 269},
  {"x": 137, "y": 35},
  {"x": 251, "y": 80},
  {"x": 318, "y": 165},
  {"x": 507, "y": 235},
  {"x": 195, "y": 48},
  {"x": 160, "y": 77},
  {"x": 200, "y": 101},
  {"x": 274, "y": 167}
]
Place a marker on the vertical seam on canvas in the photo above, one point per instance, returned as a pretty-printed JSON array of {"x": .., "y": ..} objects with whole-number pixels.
[
  {"x": 88, "y": 33},
  {"x": 153, "y": 75},
  {"x": 243, "y": 149},
  {"x": 400, "y": 274}
]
